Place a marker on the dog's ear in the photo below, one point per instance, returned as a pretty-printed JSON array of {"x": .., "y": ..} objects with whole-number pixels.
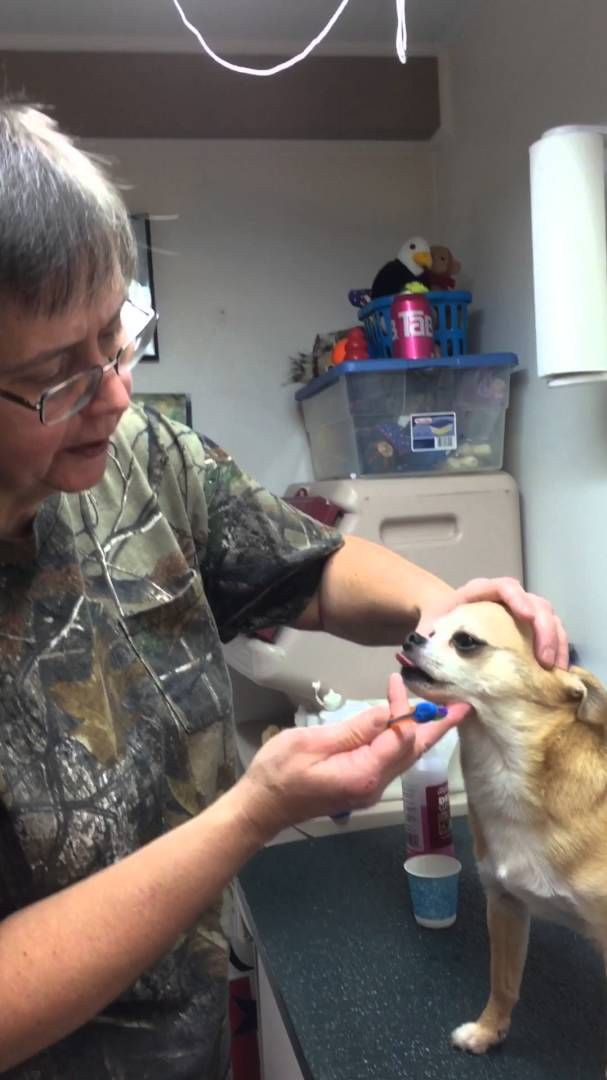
[{"x": 590, "y": 695}]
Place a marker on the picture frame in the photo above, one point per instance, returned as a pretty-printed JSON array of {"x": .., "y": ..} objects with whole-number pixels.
[
  {"x": 142, "y": 289},
  {"x": 174, "y": 406}
]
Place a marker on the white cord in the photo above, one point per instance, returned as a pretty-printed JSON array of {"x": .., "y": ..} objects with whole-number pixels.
[
  {"x": 401, "y": 42},
  {"x": 401, "y": 31}
]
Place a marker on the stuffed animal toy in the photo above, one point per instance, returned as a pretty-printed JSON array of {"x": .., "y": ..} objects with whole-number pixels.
[
  {"x": 411, "y": 264},
  {"x": 443, "y": 269}
]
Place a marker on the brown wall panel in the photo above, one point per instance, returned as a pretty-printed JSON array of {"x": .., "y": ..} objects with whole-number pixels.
[{"x": 187, "y": 96}]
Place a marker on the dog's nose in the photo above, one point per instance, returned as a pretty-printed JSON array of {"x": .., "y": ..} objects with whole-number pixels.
[{"x": 414, "y": 640}]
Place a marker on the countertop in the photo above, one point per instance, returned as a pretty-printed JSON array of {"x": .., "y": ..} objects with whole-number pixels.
[{"x": 366, "y": 994}]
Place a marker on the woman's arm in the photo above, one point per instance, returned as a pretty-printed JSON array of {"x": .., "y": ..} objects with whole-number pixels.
[
  {"x": 371, "y": 595},
  {"x": 65, "y": 958}
]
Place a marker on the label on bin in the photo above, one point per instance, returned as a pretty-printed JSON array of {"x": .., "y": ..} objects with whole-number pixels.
[{"x": 433, "y": 431}]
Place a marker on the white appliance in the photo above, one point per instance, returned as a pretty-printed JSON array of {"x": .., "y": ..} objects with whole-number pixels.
[{"x": 458, "y": 527}]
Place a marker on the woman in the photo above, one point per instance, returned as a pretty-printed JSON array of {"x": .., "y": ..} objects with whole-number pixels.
[{"x": 129, "y": 548}]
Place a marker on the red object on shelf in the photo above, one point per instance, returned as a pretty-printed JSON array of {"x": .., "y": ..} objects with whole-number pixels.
[{"x": 356, "y": 345}]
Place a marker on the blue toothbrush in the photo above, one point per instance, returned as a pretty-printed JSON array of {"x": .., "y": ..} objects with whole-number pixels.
[{"x": 423, "y": 711}]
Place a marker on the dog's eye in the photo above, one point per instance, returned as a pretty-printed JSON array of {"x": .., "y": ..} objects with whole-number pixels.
[{"x": 466, "y": 643}]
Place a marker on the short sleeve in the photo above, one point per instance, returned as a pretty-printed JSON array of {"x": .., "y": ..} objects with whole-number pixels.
[
  {"x": 263, "y": 559},
  {"x": 260, "y": 559}
]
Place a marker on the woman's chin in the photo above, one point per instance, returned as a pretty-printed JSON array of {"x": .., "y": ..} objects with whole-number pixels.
[{"x": 76, "y": 472}]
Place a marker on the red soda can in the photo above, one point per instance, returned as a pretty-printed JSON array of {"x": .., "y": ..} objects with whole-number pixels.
[{"x": 412, "y": 327}]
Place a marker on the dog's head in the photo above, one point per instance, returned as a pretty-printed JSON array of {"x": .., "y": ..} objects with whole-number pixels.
[{"x": 480, "y": 654}]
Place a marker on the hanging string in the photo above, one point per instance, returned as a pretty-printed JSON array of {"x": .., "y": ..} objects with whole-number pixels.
[
  {"x": 401, "y": 32},
  {"x": 401, "y": 42}
]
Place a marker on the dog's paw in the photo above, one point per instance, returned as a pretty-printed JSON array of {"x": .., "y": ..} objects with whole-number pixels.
[{"x": 474, "y": 1038}]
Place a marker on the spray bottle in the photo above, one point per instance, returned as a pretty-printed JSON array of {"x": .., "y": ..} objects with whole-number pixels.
[{"x": 426, "y": 793}]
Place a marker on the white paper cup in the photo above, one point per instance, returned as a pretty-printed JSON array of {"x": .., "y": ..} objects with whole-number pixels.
[{"x": 433, "y": 887}]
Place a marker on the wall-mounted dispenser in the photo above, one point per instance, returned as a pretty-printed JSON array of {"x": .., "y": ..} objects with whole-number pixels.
[{"x": 569, "y": 254}]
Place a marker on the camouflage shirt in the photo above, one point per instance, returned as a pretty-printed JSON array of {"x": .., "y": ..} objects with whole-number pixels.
[{"x": 116, "y": 707}]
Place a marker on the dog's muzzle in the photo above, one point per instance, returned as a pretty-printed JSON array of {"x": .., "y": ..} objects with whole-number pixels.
[
  {"x": 414, "y": 640},
  {"x": 410, "y": 670}
]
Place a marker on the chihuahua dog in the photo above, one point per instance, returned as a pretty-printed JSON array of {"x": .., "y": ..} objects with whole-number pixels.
[{"x": 534, "y": 760}]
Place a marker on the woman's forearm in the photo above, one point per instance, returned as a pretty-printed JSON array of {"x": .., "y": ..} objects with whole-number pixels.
[
  {"x": 371, "y": 595},
  {"x": 65, "y": 958}
]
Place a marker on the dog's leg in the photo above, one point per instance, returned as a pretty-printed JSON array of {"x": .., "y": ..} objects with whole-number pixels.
[{"x": 508, "y": 922}]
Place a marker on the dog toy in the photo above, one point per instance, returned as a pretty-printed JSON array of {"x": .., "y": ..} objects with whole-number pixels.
[
  {"x": 351, "y": 347},
  {"x": 338, "y": 353},
  {"x": 308, "y": 366},
  {"x": 386, "y": 448},
  {"x": 415, "y": 287},
  {"x": 443, "y": 269},
  {"x": 356, "y": 344},
  {"x": 411, "y": 264},
  {"x": 359, "y": 297}
]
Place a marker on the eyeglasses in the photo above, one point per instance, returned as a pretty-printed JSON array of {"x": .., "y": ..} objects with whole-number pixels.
[{"x": 137, "y": 326}]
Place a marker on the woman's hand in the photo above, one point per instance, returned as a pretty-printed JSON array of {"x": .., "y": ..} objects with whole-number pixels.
[
  {"x": 308, "y": 772},
  {"x": 550, "y": 639}
]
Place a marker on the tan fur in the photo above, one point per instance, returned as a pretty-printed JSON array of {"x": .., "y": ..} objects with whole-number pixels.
[{"x": 534, "y": 758}]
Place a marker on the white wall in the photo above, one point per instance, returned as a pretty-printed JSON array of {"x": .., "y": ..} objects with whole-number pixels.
[
  {"x": 268, "y": 240},
  {"x": 519, "y": 68}
]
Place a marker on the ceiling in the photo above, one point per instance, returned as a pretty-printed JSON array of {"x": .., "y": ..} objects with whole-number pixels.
[{"x": 237, "y": 26}]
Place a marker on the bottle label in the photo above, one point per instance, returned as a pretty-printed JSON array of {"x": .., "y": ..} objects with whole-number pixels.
[
  {"x": 439, "y": 815},
  {"x": 413, "y": 822},
  {"x": 427, "y": 824}
]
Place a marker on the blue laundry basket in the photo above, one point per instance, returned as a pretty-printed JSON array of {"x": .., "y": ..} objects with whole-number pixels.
[{"x": 450, "y": 310}]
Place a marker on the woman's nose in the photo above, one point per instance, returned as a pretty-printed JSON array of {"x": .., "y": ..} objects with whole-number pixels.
[{"x": 113, "y": 393}]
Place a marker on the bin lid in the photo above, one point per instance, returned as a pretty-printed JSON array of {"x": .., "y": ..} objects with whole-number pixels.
[{"x": 359, "y": 367}]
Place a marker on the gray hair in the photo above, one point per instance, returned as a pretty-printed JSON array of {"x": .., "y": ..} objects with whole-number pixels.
[{"x": 64, "y": 228}]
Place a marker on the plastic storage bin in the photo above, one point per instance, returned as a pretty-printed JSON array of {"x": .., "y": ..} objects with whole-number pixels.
[
  {"x": 450, "y": 323},
  {"x": 381, "y": 417}
]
